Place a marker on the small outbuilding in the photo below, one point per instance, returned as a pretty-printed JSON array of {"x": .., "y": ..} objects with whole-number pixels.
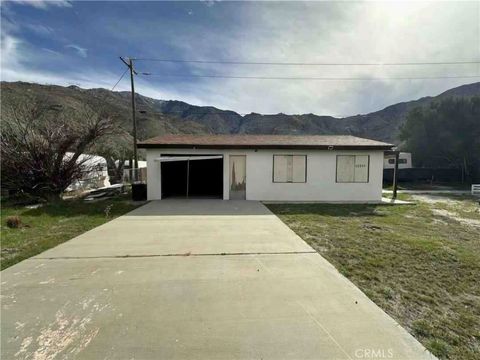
[
  {"x": 320, "y": 168},
  {"x": 94, "y": 172},
  {"x": 404, "y": 160}
]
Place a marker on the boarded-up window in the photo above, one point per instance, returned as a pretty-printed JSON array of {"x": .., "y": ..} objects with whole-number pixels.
[
  {"x": 289, "y": 168},
  {"x": 352, "y": 168}
]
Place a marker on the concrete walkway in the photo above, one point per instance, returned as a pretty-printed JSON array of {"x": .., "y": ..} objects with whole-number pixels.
[
  {"x": 431, "y": 192},
  {"x": 390, "y": 201},
  {"x": 199, "y": 279}
]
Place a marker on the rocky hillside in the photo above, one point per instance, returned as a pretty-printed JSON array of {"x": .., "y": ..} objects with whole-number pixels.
[{"x": 159, "y": 116}]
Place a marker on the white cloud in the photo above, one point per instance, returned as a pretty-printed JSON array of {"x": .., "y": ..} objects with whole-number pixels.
[
  {"x": 294, "y": 32},
  {"x": 44, "y": 4},
  {"x": 79, "y": 50},
  {"x": 53, "y": 52},
  {"x": 209, "y": 3},
  {"x": 334, "y": 32},
  {"x": 9, "y": 52},
  {"x": 40, "y": 29},
  {"x": 15, "y": 55}
]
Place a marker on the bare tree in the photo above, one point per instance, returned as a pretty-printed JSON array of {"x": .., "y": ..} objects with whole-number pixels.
[{"x": 41, "y": 146}]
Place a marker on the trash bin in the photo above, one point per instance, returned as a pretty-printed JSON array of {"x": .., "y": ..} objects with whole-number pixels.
[{"x": 139, "y": 192}]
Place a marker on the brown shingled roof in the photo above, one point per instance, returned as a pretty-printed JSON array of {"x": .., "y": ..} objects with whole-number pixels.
[{"x": 341, "y": 142}]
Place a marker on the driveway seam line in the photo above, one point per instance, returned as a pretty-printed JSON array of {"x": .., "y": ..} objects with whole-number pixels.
[
  {"x": 172, "y": 255},
  {"x": 323, "y": 328}
]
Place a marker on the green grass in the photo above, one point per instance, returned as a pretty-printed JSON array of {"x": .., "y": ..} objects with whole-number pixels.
[
  {"x": 53, "y": 224},
  {"x": 422, "y": 268}
]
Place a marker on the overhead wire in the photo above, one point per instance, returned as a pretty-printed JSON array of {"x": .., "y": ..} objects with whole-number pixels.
[
  {"x": 121, "y": 77},
  {"x": 228, "y": 62},
  {"x": 310, "y": 78},
  {"x": 227, "y": 112},
  {"x": 235, "y": 62}
]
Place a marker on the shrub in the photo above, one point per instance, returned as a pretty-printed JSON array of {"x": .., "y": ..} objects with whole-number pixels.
[
  {"x": 388, "y": 293},
  {"x": 108, "y": 209},
  {"x": 422, "y": 328},
  {"x": 438, "y": 348},
  {"x": 14, "y": 222}
]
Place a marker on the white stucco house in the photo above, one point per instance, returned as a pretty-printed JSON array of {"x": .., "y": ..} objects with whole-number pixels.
[{"x": 265, "y": 167}]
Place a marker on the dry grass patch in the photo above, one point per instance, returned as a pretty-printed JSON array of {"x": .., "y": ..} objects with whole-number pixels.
[
  {"x": 421, "y": 267},
  {"x": 43, "y": 227}
]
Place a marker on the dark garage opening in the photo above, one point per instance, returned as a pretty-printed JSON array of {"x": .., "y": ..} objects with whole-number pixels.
[{"x": 205, "y": 178}]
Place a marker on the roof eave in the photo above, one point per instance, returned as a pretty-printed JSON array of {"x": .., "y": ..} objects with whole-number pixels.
[{"x": 264, "y": 146}]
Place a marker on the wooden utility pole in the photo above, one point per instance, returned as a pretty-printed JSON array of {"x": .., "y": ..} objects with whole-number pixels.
[
  {"x": 395, "y": 175},
  {"x": 129, "y": 63},
  {"x": 188, "y": 176}
]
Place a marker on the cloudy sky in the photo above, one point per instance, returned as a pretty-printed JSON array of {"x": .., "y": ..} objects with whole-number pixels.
[{"x": 79, "y": 43}]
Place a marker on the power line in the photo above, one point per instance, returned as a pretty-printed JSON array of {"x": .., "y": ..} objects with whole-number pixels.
[
  {"x": 311, "y": 64},
  {"x": 312, "y": 78},
  {"x": 121, "y": 77}
]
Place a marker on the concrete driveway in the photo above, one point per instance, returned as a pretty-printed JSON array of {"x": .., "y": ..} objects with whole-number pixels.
[{"x": 192, "y": 279}]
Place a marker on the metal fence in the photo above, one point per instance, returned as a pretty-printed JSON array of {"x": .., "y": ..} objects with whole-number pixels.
[
  {"x": 131, "y": 176},
  {"x": 476, "y": 189},
  {"x": 424, "y": 174}
]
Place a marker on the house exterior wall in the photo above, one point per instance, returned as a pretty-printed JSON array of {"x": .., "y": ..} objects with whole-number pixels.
[{"x": 320, "y": 182}]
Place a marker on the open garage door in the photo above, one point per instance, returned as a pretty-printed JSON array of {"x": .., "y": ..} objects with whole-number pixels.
[{"x": 192, "y": 176}]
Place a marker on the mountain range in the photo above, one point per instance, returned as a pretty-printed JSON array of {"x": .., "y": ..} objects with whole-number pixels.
[{"x": 155, "y": 117}]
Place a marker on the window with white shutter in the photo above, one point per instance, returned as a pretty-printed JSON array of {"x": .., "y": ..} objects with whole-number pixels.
[
  {"x": 345, "y": 168},
  {"x": 289, "y": 168},
  {"x": 361, "y": 168},
  {"x": 353, "y": 168},
  {"x": 280, "y": 168},
  {"x": 299, "y": 168}
]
